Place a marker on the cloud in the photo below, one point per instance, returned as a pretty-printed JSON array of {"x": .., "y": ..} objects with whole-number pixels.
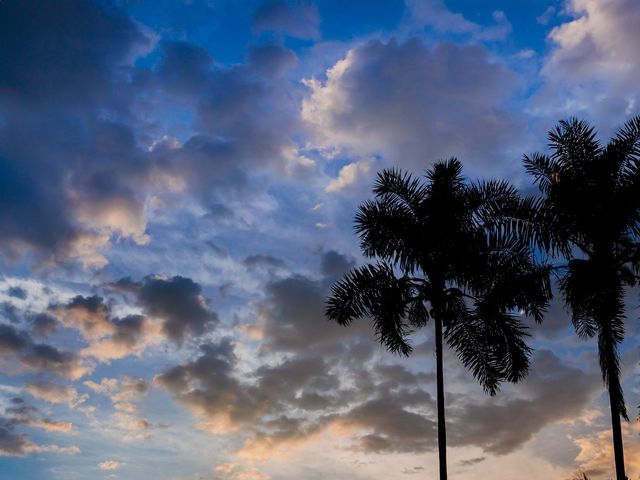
[
  {"x": 79, "y": 47},
  {"x": 109, "y": 465},
  {"x": 554, "y": 391},
  {"x": 14, "y": 444},
  {"x": 286, "y": 403},
  {"x": 349, "y": 174},
  {"x": 414, "y": 104},
  {"x": 20, "y": 413},
  {"x": 43, "y": 324},
  {"x": 89, "y": 315},
  {"x": 126, "y": 389},
  {"x": 17, "y": 292},
  {"x": 109, "y": 337},
  {"x": 131, "y": 335},
  {"x": 179, "y": 302},
  {"x": 91, "y": 48},
  {"x": 298, "y": 19},
  {"x": 86, "y": 153},
  {"x": 292, "y": 317},
  {"x": 54, "y": 393},
  {"x": 264, "y": 261},
  {"x": 39, "y": 357},
  {"x": 328, "y": 382},
  {"x": 183, "y": 68},
  {"x": 208, "y": 388},
  {"x": 435, "y": 15},
  {"x": 596, "y": 451},
  {"x": 472, "y": 461},
  {"x": 124, "y": 394},
  {"x": 174, "y": 309},
  {"x": 392, "y": 427},
  {"x": 244, "y": 117},
  {"x": 592, "y": 67}
]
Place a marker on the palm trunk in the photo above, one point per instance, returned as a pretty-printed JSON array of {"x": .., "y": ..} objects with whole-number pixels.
[
  {"x": 616, "y": 429},
  {"x": 442, "y": 427},
  {"x": 609, "y": 364}
]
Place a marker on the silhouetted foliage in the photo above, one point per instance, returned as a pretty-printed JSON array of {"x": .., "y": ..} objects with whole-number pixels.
[
  {"x": 589, "y": 213},
  {"x": 447, "y": 250}
]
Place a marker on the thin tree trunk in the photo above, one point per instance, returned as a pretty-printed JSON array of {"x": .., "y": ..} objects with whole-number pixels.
[
  {"x": 442, "y": 427},
  {"x": 616, "y": 429}
]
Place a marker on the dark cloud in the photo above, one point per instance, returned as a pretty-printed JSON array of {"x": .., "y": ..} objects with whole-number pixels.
[
  {"x": 28, "y": 213},
  {"x": 293, "y": 311},
  {"x": 293, "y": 314},
  {"x": 553, "y": 391},
  {"x": 17, "y": 292},
  {"x": 472, "y": 461},
  {"x": 179, "y": 302},
  {"x": 217, "y": 395},
  {"x": 14, "y": 443},
  {"x": 129, "y": 330},
  {"x": 63, "y": 50},
  {"x": 556, "y": 320},
  {"x": 333, "y": 265},
  {"x": 43, "y": 324},
  {"x": 109, "y": 336},
  {"x": 90, "y": 315},
  {"x": 393, "y": 428},
  {"x": 22, "y": 414},
  {"x": 38, "y": 357},
  {"x": 84, "y": 142},
  {"x": 294, "y": 18},
  {"x": 297, "y": 397},
  {"x": 183, "y": 68},
  {"x": 173, "y": 308},
  {"x": 264, "y": 261},
  {"x": 244, "y": 118},
  {"x": 210, "y": 387},
  {"x": 10, "y": 312},
  {"x": 60, "y": 76},
  {"x": 384, "y": 406},
  {"x": 271, "y": 61}
]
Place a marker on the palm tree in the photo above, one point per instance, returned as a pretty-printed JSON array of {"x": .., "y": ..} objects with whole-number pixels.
[
  {"x": 445, "y": 250},
  {"x": 589, "y": 214}
]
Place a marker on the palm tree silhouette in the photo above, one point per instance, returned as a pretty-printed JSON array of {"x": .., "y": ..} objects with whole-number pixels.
[
  {"x": 446, "y": 250},
  {"x": 589, "y": 213}
]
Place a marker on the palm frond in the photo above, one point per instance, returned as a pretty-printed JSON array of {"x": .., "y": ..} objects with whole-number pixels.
[
  {"x": 387, "y": 230},
  {"x": 574, "y": 143},
  {"x": 402, "y": 187},
  {"x": 544, "y": 169},
  {"x": 446, "y": 174},
  {"x": 373, "y": 291}
]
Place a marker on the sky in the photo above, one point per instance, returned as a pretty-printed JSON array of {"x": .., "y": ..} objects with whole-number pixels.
[{"x": 178, "y": 180}]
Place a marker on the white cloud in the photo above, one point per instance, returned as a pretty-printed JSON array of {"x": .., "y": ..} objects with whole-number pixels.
[
  {"x": 413, "y": 104},
  {"x": 349, "y": 175},
  {"x": 593, "y": 67},
  {"x": 109, "y": 465}
]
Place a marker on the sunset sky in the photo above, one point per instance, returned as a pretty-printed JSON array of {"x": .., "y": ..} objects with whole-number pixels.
[{"x": 178, "y": 180}]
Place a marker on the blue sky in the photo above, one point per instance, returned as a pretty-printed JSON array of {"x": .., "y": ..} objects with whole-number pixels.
[{"x": 178, "y": 181}]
